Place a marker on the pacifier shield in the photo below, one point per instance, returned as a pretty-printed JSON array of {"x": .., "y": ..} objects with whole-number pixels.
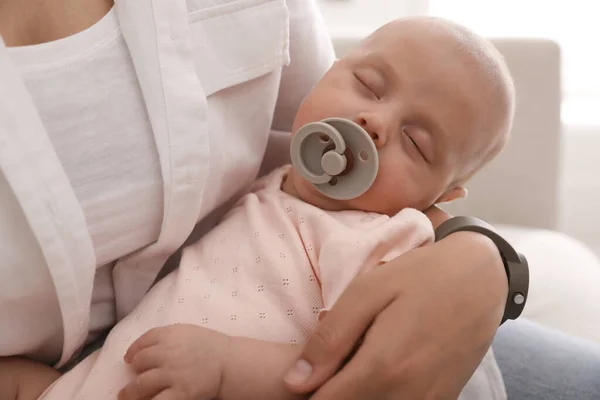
[{"x": 326, "y": 169}]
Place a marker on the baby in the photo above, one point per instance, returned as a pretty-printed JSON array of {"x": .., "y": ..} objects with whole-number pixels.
[{"x": 437, "y": 101}]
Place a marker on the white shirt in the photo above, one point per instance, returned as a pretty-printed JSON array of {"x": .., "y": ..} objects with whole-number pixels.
[
  {"x": 105, "y": 145},
  {"x": 122, "y": 200},
  {"x": 144, "y": 123}
]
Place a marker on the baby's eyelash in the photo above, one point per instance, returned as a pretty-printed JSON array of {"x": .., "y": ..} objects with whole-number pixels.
[
  {"x": 413, "y": 141},
  {"x": 366, "y": 86},
  {"x": 416, "y": 145}
]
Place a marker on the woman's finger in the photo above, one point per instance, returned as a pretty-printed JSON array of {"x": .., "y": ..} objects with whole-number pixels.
[
  {"x": 145, "y": 386},
  {"x": 148, "y": 339},
  {"x": 353, "y": 382},
  {"x": 373, "y": 364},
  {"x": 338, "y": 333}
]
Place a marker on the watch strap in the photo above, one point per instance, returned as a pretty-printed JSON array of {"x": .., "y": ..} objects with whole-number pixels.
[{"x": 515, "y": 264}]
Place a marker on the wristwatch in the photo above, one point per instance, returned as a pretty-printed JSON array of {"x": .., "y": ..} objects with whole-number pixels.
[{"x": 515, "y": 263}]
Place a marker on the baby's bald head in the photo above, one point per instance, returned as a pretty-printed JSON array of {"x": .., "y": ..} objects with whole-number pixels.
[
  {"x": 484, "y": 71},
  {"x": 436, "y": 99}
]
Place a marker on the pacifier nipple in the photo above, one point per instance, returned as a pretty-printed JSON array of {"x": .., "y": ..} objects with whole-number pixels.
[
  {"x": 333, "y": 163},
  {"x": 319, "y": 153}
]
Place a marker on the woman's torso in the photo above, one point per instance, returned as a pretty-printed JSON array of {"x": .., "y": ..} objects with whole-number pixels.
[{"x": 85, "y": 89}]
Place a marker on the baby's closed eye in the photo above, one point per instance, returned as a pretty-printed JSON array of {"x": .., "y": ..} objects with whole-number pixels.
[
  {"x": 372, "y": 81},
  {"x": 421, "y": 140}
]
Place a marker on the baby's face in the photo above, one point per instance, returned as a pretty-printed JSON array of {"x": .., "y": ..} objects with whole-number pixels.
[{"x": 424, "y": 108}]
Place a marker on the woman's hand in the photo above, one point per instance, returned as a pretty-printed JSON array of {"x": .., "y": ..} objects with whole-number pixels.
[{"x": 416, "y": 328}]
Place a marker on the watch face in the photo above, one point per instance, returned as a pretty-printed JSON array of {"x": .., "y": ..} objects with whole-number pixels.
[{"x": 518, "y": 299}]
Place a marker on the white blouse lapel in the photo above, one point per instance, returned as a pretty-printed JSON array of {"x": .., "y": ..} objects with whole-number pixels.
[
  {"x": 38, "y": 181},
  {"x": 157, "y": 35}
]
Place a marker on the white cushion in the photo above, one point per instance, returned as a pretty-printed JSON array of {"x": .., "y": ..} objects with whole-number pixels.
[{"x": 565, "y": 281}]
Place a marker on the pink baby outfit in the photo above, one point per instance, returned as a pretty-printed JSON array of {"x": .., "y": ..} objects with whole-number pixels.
[{"x": 264, "y": 272}]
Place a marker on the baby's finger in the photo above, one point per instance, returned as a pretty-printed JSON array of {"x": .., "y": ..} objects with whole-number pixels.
[
  {"x": 170, "y": 394},
  {"x": 149, "y": 338},
  {"x": 146, "y": 359},
  {"x": 146, "y": 385}
]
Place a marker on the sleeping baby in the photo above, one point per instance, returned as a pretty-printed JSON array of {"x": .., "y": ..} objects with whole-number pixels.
[{"x": 436, "y": 100}]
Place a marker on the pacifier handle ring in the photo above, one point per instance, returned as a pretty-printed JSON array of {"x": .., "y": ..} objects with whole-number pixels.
[{"x": 298, "y": 140}]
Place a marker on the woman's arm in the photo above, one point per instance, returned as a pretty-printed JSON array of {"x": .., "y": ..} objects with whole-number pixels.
[
  {"x": 427, "y": 319},
  {"x": 434, "y": 312}
]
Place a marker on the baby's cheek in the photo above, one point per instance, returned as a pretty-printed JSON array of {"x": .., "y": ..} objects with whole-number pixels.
[
  {"x": 382, "y": 197},
  {"x": 429, "y": 194},
  {"x": 302, "y": 117},
  {"x": 399, "y": 188}
]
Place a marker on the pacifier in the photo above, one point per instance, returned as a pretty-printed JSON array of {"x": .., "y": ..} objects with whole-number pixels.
[{"x": 318, "y": 151}]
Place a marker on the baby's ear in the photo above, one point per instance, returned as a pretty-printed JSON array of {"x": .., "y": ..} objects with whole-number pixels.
[{"x": 457, "y": 192}]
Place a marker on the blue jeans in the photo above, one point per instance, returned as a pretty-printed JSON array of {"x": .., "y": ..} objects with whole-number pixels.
[{"x": 542, "y": 364}]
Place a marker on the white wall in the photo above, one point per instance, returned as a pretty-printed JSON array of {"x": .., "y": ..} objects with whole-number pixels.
[
  {"x": 368, "y": 13},
  {"x": 580, "y": 197}
]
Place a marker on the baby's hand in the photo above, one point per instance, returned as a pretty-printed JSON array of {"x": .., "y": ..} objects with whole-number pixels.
[{"x": 176, "y": 362}]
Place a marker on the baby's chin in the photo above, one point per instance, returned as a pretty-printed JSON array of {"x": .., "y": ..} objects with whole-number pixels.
[
  {"x": 376, "y": 199},
  {"x": 300, "y": 188}
]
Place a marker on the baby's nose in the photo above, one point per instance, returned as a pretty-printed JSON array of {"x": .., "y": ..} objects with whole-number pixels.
[{"x": 375, "y": 126}]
